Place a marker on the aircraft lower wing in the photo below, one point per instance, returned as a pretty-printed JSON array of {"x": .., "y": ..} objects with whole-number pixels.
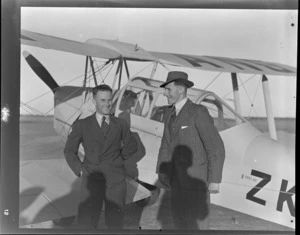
[{"x": 49, "y": 190}]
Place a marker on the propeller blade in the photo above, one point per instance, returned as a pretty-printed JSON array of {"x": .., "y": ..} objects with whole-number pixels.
[{"x": 40, "y": 70}]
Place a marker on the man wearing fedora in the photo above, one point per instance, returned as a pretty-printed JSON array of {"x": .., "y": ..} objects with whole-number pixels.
[{"x": 191, "y": 155}]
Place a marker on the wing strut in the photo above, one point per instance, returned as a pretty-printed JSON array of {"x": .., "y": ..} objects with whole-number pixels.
[
  {"x": 119, "y": 71},
  {"x": 84, "y": 93},
  {"x": 85, "y": 72},
  {"x": 94, "y": 74},
  {"x": 269, "y": 110},
  {"x": 236, "y": 94},
  {"x": 153, "y": 70},
  {"x": 126, "y": 67}
]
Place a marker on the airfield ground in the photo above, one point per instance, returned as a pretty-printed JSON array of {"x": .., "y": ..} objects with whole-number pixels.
[{"x": 38, "y": 141}]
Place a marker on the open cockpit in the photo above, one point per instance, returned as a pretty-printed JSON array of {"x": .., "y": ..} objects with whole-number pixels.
[{"x": 144, "y": 98}]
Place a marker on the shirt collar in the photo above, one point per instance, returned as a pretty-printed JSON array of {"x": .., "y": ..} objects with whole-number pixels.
[
  {"x": 100, "y": 116},
  {"x": 180, "y": 104}
]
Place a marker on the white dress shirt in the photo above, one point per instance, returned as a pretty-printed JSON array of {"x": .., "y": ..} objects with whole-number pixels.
[
  {"x": 99, "y": 118},
  {"x": 179, "y": 105}
]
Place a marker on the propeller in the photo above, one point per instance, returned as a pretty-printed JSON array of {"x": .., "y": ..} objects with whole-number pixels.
[{"x": 40, "y": 70}]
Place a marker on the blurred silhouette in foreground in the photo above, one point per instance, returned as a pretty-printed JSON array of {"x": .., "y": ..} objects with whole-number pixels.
[{"x": 189, "y": 196}]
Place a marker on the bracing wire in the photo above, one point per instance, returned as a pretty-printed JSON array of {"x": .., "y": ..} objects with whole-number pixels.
[
  {"x": 246, "y": 95},
  {"x": 252, "y": 106},
  {"x": 255, "y": 95},
  {"x": 67, "y": 97},
  {"x": 80, "y": 76},
  {"x": 76, "y": 109},
  {"x": 102, "y": 68},
  {"x": 53, "y": 90},
  {"x": 242, "y": 84},
  {"x": 239, "y": 86},
  {"x": 146, "y": 67},
  {"x": 212, "y": 81},
  {"x": 32, "y": 112}
]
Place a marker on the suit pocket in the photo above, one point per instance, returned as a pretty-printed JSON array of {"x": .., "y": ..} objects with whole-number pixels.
[{"x": 182, "y": 128}]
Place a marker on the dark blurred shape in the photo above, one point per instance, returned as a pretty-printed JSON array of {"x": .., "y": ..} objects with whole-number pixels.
[
  {"x": 128, "y": 101},
  {"x": 189, "y": 196}
]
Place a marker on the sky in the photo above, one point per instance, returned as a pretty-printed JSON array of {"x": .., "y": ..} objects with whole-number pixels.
[{"x": 267, "y": 35}]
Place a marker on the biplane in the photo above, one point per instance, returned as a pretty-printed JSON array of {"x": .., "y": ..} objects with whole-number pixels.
[{"x": 259, "y": 171}]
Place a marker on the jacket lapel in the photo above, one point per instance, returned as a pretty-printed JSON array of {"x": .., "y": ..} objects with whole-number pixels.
[
  {"x": 182, "y": 116},
  {"x": 95, "y": 130},
  {"x": 167, "y": 125},
  {"x": 113, "y": 129}
]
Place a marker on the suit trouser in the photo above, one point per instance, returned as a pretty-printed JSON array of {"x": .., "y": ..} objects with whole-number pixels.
[
  {"x": 93, "y": 192},
  {"x": 190, "y": 207}
]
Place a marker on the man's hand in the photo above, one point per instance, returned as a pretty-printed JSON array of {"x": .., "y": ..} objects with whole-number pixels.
[
  {"x": 164, "y": 180},
  {"x": 80, "y": 173},
  {"x": 214, "y": 187}
]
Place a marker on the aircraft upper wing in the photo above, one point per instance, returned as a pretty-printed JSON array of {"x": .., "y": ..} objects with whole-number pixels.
[
  {"x": 107, "y": 49},
  {"x": 223, "y": 64},
  {"x": 110, "y": 49}
]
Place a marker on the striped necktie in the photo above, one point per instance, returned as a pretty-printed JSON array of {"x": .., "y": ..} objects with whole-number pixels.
[
  {"x": 173, "y": 113},
  {"x": 104, "y": 126},
  {"x": 172, "y": 119}
]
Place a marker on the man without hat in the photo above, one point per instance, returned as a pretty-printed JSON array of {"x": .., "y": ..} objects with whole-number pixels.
[
  {"x": 107, "y": 142},
  {"x": 191, "y": 155}
]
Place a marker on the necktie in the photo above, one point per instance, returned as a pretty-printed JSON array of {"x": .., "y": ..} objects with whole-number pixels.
[
  {"x": 104, "y": 126},
  {"x": 172, "y": 120},
  {"x": 173, "y": 113}
]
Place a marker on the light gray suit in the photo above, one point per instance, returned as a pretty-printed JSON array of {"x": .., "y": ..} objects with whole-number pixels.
[{"x": 192, "y": 156}]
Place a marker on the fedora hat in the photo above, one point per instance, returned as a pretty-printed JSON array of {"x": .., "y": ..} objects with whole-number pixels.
[{"x": 179, "y": 77}]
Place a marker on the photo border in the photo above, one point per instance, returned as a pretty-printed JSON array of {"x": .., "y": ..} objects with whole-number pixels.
[{"x": 10, "y": 96}]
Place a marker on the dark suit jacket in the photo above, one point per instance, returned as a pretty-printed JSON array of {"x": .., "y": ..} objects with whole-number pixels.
[
  {"x": 101, "y": 155},
  {"x": 195, "y": 148}
]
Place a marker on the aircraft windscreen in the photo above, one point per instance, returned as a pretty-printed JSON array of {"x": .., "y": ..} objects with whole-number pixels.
[
  {"x": 139, "y": 102},
  {"x": 223, "y": 117}
]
